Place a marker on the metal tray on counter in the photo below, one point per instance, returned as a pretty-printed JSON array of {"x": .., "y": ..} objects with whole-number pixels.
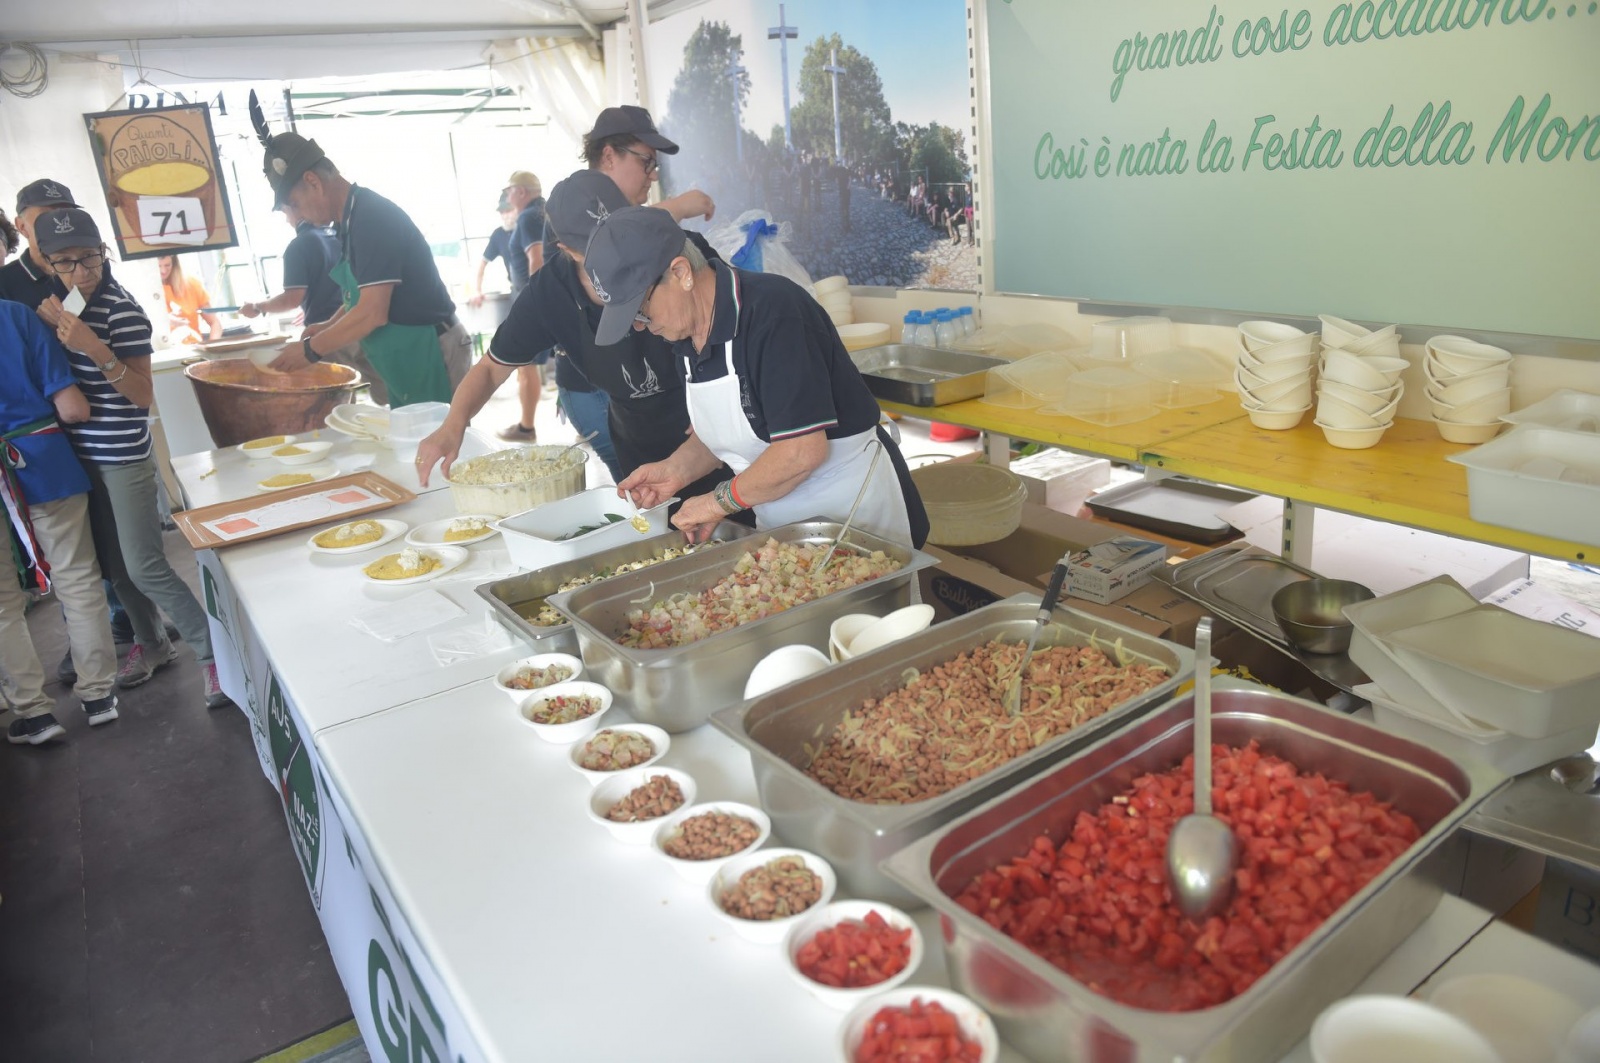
[
  {"x": 1053, "y": 1018},
  {"x": 679, "y": 688},
  {"x": 1174, "y": 506},
  {"x": 924, "y": 376},
  {"x": 526, "y": 589},
  {"x": 781, "y": 731},
  {"x": 1237, "y": 582}
]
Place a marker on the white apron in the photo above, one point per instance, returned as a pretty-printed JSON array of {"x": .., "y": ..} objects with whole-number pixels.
[{"x": 719, "y": 421}]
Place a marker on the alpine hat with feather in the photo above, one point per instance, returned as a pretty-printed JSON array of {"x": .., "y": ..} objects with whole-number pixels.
[{"x": 288, "y": 155}]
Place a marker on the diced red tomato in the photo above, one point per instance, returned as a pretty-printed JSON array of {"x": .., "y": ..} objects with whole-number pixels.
[
  {"x": 922, "y": 1032},
  {"x": 855, "y": 954}
]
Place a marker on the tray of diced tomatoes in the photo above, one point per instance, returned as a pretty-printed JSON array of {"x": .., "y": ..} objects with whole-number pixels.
[
  {"x": 855, "y": 953},
  {"x": 920, "y": 1032}
]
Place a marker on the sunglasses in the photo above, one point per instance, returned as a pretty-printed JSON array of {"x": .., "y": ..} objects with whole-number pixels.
[
  {"x": 641, "y": 317},
  {"x": 651, "y": 163},
  {"x": 70, "y": 265}
]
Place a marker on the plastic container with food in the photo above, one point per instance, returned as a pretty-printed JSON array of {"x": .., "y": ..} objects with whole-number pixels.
[
  {"x": 969, "y": 504},
  {"x": 618, "y": 748},
  {"x": 577, "y": 526},
  {"x": 632, "y": 804},
  {"x": 762, "y": 894},
  {"x": 515, "y": 480},
  {"x": 565, "y": 712},
  {"x": 819, "y": 947},
  {"x": 520, "y": 678},
  {"x": 1107, "y": 396},
  {"x": 916, "y": 1002},
  {"x": 696, "y": 841}
]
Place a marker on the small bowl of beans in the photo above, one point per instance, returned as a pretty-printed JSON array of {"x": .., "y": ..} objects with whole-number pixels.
[
  {"x": 764, "y": 892},
  {"x": 631, "y": 804},
  {"x": 613, "y": 749},
  {"x": 520, "y": 678},
  {"x": 697, "y": 840},
  {"x": 847, "y": 951},
  {"x": 565, "y": 712}
]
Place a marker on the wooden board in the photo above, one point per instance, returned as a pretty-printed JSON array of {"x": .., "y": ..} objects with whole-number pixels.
[{"x": 192, "y": 522}]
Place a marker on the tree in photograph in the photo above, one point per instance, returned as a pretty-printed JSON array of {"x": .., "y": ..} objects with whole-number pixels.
[
  {"x": 933, "y": 150},
  {"x": 868, "y": 130},
  {"x": 700, "y": 107}
]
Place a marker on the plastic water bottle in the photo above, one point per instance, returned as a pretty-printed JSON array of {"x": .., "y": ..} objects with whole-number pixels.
[
  {"x": 908, "y": 327},
  {"x": 922, "y": 331},
  {"x": 946, "y": 331},
  {"x": 969, "y": 324}
]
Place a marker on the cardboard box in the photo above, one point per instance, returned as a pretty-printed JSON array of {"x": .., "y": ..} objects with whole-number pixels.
[
  {"x": 1569, "y": 908},
  {"x": 1488, "y": 872},
  {"x": 1060, "y": 479},
  {"x": 1114, "y": 568},
  {"x": 959, "y": 584},
  {"x": 1154, "y": 609}
]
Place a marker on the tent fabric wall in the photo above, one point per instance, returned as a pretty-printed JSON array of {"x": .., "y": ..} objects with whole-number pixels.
[{"x": 562, "y": 76}]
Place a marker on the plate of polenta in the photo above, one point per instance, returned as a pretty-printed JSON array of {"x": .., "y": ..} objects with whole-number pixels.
[
  {"x": 297, "y": 476},
  {"x": 413, "y": 565},
  {"x": 356, "y": 535}
]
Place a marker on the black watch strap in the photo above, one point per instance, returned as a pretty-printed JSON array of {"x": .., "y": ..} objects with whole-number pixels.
[{"x": 305, "y": 348}]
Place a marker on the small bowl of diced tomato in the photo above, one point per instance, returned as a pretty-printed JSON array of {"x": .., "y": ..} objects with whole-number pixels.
[
  {"x": 849, "y": 950},
  {"x": 919, "y": 1024}
]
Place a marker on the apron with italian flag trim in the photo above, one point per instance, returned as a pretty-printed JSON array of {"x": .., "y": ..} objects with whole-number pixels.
[{"x": 26, "y": 556}]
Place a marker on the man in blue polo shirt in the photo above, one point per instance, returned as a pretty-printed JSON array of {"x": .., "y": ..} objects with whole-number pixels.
[
  {"x": 29, "y": 280},
  {"x": 308, "y": 262},
  {"x": 45, "y": 496},
  {"x": 771, "y": 390}
]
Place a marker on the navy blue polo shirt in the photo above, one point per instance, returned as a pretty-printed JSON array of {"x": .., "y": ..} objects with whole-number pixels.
[
  {"x": 33, "y": 367},
  {"x": 499, "y": 247},
  {"x": 384, "y": 246},
  {"x": 798, "y": 378},
  {"x": 528, "y": 231},
  {"x": 306, "y": 263},
  {"x": 25, "y": 282}
]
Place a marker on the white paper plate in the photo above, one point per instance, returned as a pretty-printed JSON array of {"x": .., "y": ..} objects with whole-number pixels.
[
  {"x": 452, "y": 556},
  {"x": 392, "y": 529},
  {"x": 432, "y": 533},
  {"x": 358, "y": 420},
  {"x": 325, "y": 471},
  {"x": 264, "y": 452}
]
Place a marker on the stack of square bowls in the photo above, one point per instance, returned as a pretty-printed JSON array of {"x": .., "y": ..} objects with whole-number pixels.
[
  {"x": 1469, "y": 387},
  {"x": 1360, "y": 385},
  {"x": 1274, "y": 373}
]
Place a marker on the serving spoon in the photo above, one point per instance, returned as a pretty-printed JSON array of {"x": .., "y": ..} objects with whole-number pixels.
[
  {"x": 844, "y": 529},
  {"x": 1047, "y": 606},
  {"x": 1202, "y": 851}
]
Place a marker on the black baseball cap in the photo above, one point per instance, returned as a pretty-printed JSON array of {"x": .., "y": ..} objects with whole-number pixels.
[
  {"x": 45, "y": 193},
  {"x": 578, "y": 203},
  {"x": 634, "y": 122},
  {"x": 628, "y": 253},
  {"x": 288, "y": 157},
  {"x": 58, "y": 230}
]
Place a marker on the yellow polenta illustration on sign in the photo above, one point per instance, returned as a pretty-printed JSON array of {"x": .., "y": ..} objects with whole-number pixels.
[{"x": 160, "y": 176}]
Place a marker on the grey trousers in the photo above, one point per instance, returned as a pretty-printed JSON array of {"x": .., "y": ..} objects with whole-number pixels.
[{"x": 127, "y": 536}]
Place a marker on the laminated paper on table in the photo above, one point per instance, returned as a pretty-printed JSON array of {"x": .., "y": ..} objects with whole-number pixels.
[{"x": 292, "y": 509}]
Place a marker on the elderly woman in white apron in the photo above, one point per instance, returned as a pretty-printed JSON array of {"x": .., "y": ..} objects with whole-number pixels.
[{"x": 770, "y": 389}]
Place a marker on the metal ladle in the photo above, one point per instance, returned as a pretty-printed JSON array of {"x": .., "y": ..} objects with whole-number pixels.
[
  {"x": 1202, "y": 851},
  {"x": 844, "y": 529}
]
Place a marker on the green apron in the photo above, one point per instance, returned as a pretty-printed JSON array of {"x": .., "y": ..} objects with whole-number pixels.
[{"x": 406, "y": 356}]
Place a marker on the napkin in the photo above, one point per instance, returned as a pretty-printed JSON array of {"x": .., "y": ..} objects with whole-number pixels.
[{"x": 393, "y": 621}]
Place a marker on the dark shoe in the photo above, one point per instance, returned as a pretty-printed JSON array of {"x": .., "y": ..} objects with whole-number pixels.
[
  {"x": 65, "y": 670},
  {"x": 101, "y": 710},
  {"x": 34, "y": 731},
  {"x": 121, "y": 629},
  {"x": 169, "y": 627},
  {"x": 517, "y": 434},
  {"x": 141, "y": 664}
]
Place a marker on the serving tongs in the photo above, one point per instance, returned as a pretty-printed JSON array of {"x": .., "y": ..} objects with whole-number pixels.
[
  {"x": 1047, "y": 606},
  {"x": 844, "y": 529}
]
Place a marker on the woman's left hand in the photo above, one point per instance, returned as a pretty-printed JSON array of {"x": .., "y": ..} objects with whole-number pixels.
[
  {"x": 698, "y": 517},
  {"x": 72, "y": 332}
]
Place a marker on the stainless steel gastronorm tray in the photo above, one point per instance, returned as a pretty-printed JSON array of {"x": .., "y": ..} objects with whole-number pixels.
[
  {"x": 924, "y": 376},
  {"x": 504, "y": 595},
  {"x": 679, "y": 688},
  {"x": 1053, "y": 1018},
  {"x": 780, "y": 731}
]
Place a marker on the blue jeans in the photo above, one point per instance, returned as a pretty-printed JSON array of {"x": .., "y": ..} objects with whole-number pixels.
[{"x": 587, "y": 410}]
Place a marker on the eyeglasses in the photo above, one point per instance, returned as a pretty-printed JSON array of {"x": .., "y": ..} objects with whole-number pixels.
[
  {"x": 651, "y": 163},
  {"x": 69, "y": 265},
  {"x": 641, "y": 317}
]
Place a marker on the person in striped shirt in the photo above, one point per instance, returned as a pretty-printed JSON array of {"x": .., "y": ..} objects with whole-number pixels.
[{"x": 108, "y": 346}]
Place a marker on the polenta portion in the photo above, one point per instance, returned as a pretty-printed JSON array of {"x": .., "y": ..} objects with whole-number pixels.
[
  {"x": 288, "y": 479},
  {"x": 289, "y": 451},
  {"x": 404, "y": 565},
  {"x": 356, "y": 533},
  {"x": 466, "y": 528},
  {"x": 265, "y": 442}
]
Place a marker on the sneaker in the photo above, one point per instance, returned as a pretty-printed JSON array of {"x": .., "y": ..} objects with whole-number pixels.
[
  {"x": 66, "y": 672},
  {"x": 35, "y": 730},
  {"x": 141, "y": 664},
  {"x": 517, "y": 434},
  {"x": 215, "y": 698},
  {"x": 101, "y": 710}
]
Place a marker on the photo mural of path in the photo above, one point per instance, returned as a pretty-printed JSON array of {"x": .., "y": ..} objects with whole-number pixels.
[{"x": 862, "y": 157}]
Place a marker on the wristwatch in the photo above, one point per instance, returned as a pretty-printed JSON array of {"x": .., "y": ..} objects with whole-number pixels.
[
  {"x": 305, "y": 349},
  {"x": 109, "y": 364}
]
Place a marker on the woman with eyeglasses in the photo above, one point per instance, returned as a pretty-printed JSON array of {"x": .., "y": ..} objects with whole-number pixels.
[{"x": 108, "y": 347}]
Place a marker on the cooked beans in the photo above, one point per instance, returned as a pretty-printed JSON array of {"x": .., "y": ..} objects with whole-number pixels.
[
  {"x": 776, "y": 890},
  {"x": 657, "y": 796},
  {"x": 711, "y": 835}
]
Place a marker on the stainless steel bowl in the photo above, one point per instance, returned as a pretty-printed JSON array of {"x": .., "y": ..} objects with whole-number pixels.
[{"x": 1311, "y": 613}]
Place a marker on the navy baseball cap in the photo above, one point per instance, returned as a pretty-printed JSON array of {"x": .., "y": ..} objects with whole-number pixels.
[
  {"x": 578, "y": 203},
  {"x": 45, "y": 193},
  {"x": 627, "y": 254},
  {"x": 61, "y": 229},
  {"x": 630, "y": 121},
  {"x": 288, "y": 157}
]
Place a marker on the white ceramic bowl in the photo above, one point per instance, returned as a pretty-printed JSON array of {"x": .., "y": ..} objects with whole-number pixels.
[
  {"x": 314, "y": 450},
  {"x": 1451, "y": 432},
  {"x": 1371, "y": 401},
  {"x": 1277, "y": 420},
  {"x": 900, "y": 624},
  {"x": 1352, "y": 438},
  {"x": 655, "y": 735},
  {"x": 1522, "y": 1019},
  {"x": 807, "y": 926},
  {"x": 1334, "y": 411},
  {"x": 263, "y": 453},
  {"x": 1490, "y": 407},
  {"x": 619, "y": 785},
  {"x": 1357, "y": 372},
  {"x": 1268, "y": 372},
  {"x": 538, "y": 660},
  {"x": 783, "y": 666},
  {"x": 843, "y": 630},
  {"x": 975, "y": 1022},
  {"x": 562, "y": 733},
  {"x": 1380, "y": 1029},
  {"x": 702, "y": 870},
  {"x": 1258, "y": 335},
  {"x": 766, "y": 931}
]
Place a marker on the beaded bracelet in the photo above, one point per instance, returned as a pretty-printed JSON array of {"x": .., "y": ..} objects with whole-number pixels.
[{"x": 723, "y": 494}]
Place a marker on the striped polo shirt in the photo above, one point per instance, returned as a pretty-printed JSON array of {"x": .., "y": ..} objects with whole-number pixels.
[{"x": 117, "y": 432}]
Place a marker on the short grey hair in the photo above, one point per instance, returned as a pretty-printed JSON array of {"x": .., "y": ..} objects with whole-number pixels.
[{"x": 697, "y": 261}]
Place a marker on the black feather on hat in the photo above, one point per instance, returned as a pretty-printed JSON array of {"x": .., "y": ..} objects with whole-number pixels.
[{"x": 288, "y": 155}]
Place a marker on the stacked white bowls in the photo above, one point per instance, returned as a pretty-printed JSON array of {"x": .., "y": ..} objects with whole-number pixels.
[
  {"x": 1359, "y": 388},
  {"x": 1469, "y": 387},
  {"x": 1273, "y": 373}
]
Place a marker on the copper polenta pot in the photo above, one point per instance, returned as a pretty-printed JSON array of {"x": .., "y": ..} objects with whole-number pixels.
[{"x": 241, "y": 402}]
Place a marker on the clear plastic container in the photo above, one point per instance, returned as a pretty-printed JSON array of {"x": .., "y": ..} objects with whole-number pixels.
[
  {"x": 992, "y": 342},
  {"x": 1032, "y": 382},
  {"x": 1182, "y": 377},
  {"x": 1107, "y": 396},
  {"x": 945, "y": 332},
  {"x": 969, "y": 504},
  {"x": 1126, "y": 338},
  {"x": 968, "y": 323},
  {"x": 1510, "y": 753},
  {"x": 1037, "y": 337}
]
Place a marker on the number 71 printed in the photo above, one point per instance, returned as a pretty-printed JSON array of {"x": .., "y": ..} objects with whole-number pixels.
[{"x": 172, "y": 220}]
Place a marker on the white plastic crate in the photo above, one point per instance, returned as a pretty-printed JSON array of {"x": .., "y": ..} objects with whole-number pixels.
[
  {"x": 1537, "y": 480},
  {"x": 534, "y": 538}
]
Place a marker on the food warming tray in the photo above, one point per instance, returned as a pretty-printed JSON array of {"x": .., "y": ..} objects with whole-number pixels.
[
  {"x": 528, "y": 588},
  {"x": 1175, "y": 507},
  {"x": 779, "y": 730},
  {"x": 679, "y": 688},
  {"x": 1053, "y": 1018},
  {"x": 924, "y": 376}
]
